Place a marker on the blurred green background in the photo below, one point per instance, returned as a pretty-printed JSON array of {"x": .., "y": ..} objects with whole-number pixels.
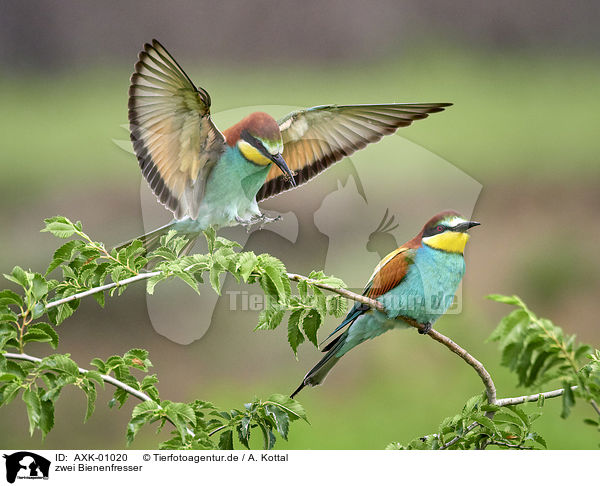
[{"x": 525, "y": 82}]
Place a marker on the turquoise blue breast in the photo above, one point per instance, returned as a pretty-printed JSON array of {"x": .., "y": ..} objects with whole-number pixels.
[
  {"x": 424, "y": 294},
  {"x": 230, "y": 193},
  {"x": 429, "y": 286}
]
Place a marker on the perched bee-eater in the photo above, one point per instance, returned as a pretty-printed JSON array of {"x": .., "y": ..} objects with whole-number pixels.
[
  {"x": 211, "y": 178},
  {"x": 416, "y": 281}
]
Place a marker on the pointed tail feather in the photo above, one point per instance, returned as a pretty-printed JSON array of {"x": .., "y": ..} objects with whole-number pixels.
[{"x": 318, "y": 373}]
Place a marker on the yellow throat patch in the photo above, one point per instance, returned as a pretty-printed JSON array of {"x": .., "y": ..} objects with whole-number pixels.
[
  {"x": 252, "y": 153},
  {"x": 450, "y": 241}
]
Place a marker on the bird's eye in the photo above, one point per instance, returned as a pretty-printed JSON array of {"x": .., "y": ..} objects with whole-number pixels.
[{"x": 439, "y": 228}]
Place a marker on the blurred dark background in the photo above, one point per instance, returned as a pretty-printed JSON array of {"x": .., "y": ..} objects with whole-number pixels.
[{"x": 525, "y": 79}]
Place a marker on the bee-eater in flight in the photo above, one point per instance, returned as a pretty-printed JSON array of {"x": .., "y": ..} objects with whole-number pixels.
[
  {"x": 416, "y": 281},
  {"x": 211, "y": 178}
]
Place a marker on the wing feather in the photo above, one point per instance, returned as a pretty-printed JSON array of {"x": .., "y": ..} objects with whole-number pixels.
[
  {"x": 387, "y": 274},
  {"x": 316, "y": 138},
  {"x": 173, "y": 136}
]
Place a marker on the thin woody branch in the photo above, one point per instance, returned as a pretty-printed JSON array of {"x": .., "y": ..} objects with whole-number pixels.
[
  {"x": 106, "y": 378},
  {"x": 490, "y": 388},
  {"x": 433, "y": 334},
  {"x": 531, "y": 398}
]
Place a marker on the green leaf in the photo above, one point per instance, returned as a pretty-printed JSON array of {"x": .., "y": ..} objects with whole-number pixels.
[
  {"x": 8, "y": 297},
  {"x": 510, "y": 355},
  {"x": 48, "y": 330},
  {"x": 486, "y": 422},
  {"x": 46, "y": 422},
  {"x": 20, "y": 277},
  {"x": 188, "y": 279},
  {"x": 90, "y": 392},
  {"x": 568, "y": 400},
  {"x": 269, "y": 437},
  {"x": 540, "y": 440},
  {"x": 137, "y": 358},
  {"x": 180, "y": 414},
  {"x": 9, "y": 316},
  {"x": 145, "y": 408},
  {"x": 100, "y": 298},
  {"x": 34, "y": 408},
  {"x": 153, "y": 281},
  {"x": 213, "y": 277},
  {"x": 142, "y": 413},
  {"x": 226, "y": 440},
  {"x": 504, "y": 299},
  {"x": 64, "y": 254},
  {"x": 39, "y": 335},
  {"x": 246, "y": 263},
  {"x": 61, "y": 228},
  {"x": 98, "y": 363},
  {"x": 244, "y": 430},
  {"x": 281, "y": 418},
  {"x": 269, "y": 319},
  {"x": 508, "y": 323},
  {"x": 310, "y": 324},
  {"x": 291, "y": 406},
  {"x": 63, "y": 363},
  {"x": 39, "y": 287},
  {"x": 9, "y": 392},
  {"x": 295, "y": 336},
  {"x": 336, "y": 305}
]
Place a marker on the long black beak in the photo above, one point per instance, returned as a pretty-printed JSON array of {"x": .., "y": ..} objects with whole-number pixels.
[
  {"x": 462, "y": 227},
  {"x": 279, "y": 162}
]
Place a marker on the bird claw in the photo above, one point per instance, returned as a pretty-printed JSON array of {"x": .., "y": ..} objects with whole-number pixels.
[
  {"x": 261, "y": 221},
  {"x": 426, "y": 328}
]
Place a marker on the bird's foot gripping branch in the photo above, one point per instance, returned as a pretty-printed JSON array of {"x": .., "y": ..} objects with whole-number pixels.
[{"x": 534, "y": 348}]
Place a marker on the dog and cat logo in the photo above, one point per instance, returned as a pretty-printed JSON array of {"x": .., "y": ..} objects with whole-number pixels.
[{"x": 26, "y": 465}]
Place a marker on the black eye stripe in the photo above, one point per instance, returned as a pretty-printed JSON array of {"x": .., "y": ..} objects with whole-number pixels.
[
  {"x": 255, "y": 142},
  {"x": 435, "y": 230}
]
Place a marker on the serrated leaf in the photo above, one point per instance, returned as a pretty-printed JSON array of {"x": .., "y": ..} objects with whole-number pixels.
[
  {"x": 268, "y": 436},
  {"x": 9, "y": 392},
  {"x": 336, "y": 305},
  {"x": 568, "y": 400},
  {"x": 188, "y": 279},
  {"x": 291, "y": 406},
  {"x": 226, "y": 440},
  {"x": 246, "y": 263},
  {"x": 59, "y": 229},
  {"x": 295, "y": 336},
  {"x": 510, "y": 355},
  {"x": 19, "y": 276},
  {"x": 505, "y": 299},
  {"x": 64, "y": 253},
  {"x": 269, "y": 319},
  {"x": 39, "y": 287},
  {"x": 34, "y": 408},
  {"x": 540, "y": 440},
  {"x": 63, "y": 363},
  {"x": 508, "y": 323},
  {"x": 153, "y": 281},
  {"x": 8, "y": 297},
  {"x": 310, "y": 325},
  {"x": 213, "y": 276},
  {"x": 90, "y": 392},
  {"x": 281, "y": 418},
  {"x": 38, "y": 335},
  {"x": 46, "y": 422},
  {"x": 144, "y": 408}
]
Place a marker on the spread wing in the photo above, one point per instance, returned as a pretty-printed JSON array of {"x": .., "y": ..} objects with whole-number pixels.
[
  {"x": 387, "y": 275},
  {"x": 173, "y": 136},
  {"x": 318, "y": 137}
]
